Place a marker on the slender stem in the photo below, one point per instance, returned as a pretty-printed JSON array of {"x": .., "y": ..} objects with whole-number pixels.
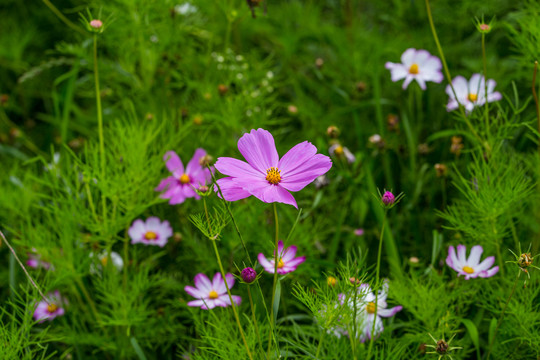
[
  {"x": 24, "y": 269},
  {"x": 225, "y": 281},
  {"x": 355, "y": 325},
  {"x": 61, "y": 16},
  {"x": 231, "y": 216},
  {"x": 276, "y": 261},
  {"x": 484, "y": 60},
  {"x": 100, "y": 127},
  {"x": 449, "y": 79},
  {"x": 255, "y": 318},
  {"x": 502, "y": 315},
  {"x": 321, "y": 338},
  {"x": 536, "y": 98},
  {"x": 377, "y": 285},
  {"x": 88, "y": 298}
]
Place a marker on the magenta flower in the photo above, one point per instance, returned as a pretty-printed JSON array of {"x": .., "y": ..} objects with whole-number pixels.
[
  {"x": 265, "y": 176},
  {"x": 34, "y": 261},
  {"x": 471, "y": 93},
  {"x": 248, "y": 275},
  {"x": 48, "y": 311},
  {"x": 211, "y": 293},
  {"x": 151, "y": 232},
  {"x": 359, "y": 232},
  {"x": 417, "y": 65},
  {"x": 388, "y": 198},
  {"x": 287, "y": 262},
  {"x": 183, "y": 182},
  {"x": 471, "y": 267}
]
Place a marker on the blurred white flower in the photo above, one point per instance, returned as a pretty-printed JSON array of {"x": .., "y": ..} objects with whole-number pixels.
[
  {"x": 185, "y": 9},
  {"x": 104, "y": 258}
]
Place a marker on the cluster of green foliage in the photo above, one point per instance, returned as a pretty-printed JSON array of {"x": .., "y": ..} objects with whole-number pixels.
[{"x": 179, "y": 75}]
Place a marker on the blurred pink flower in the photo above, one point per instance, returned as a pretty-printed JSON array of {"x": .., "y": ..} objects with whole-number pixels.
[
  {"x": 151, "y": 232},
  {"x": 417, "y": 65},
  {"x": 183, "y": 182},
  {"x": 471, "y": 93},
  {"x": 265, "y": 176},
  {"x": 45, "y": 311},
  {"x": 287, "y": 262},
  {"x": 359, "y": 232},
  {"x": 211, "y": 293},
  {"x": 471, "y": 267},
  {"x": 34, "y": 261}
]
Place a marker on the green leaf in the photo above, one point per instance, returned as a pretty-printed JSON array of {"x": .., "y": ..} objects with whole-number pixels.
[
  {"x": 492, "y": 326},
  {"x": 137, "y": 348},
  {"x": 277, "y": 297},
  {"x": 473, "y": 333}
]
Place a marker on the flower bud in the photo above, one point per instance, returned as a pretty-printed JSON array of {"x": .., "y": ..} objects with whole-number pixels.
[
  {"x": 96, "y": 24},
  {"x": 441, "y": 170},
  {"x": 332, "y": 131},
  {"x": 388, "y": 198},
  {"x": 319, "y": 62},
  {"x": 248, "y": 275},
  {"x": 292, "y": 109},
  {"x": 223, "y": 89},
  {"x": 206, "y": 160}
]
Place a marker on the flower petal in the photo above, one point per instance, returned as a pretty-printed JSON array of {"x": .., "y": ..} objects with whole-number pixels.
[
  {"x": 259, "y": 149},
  {"x": 237, "y": 168},
  {"x": 486, "y": 264},
  {"x": 389, "y": 312},
  {"x": 474, "y": 257},
  {"x": 203, "y": 283},
  {"x": 196, "y": 293},
  {"x": 173, "y": 163},
  {"x": 194, "y": 164},
  {"x": 231, "y": 190},
  {"x": 489, "y": 273},
  {"x": 462, "y": 254},
  {"x": 296, "y": 157},
  {"x": 306, "y": 173}
]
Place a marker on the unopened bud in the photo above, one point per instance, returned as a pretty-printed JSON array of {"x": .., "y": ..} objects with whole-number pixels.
[
  {"x": 248, "y": 275},
  {"x": 319, "y": 62},
  {"x": 388, "y": 198},
  {"x": 333, "y": 131},
  {"x": 206, "y": 160},
  {"x": 223, "y": 89},
  {"x": 96, "y": 24},
  {"x": 361, "y": 86},
  {"x": 292, "y": 109},
  {"x": 441, "y": 170}
]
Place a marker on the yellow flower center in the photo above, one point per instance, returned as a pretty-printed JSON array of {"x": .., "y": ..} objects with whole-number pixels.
[
  {"x": 273, "y": 176},
  {"x": 331, "y": 281},
  {"x": 338, "y": 150},
  {"x": 150, "y": 235},
  {"x": 370, "y": 308},
  {"x": 184, "y": 179},
  {"x": 213, "y": 294},
  {"x": 472, "y": 97},
  {"x": 52, "y": 308},
  {"x": 413, "y": 69},
  {"x": 104, "y": 260},
  {"x": 468, "y": 269},
  {"x": 280, "y": 264}
]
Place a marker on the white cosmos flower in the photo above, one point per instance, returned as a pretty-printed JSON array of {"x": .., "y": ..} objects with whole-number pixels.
[
  {"x": 471, "y": 267},
  {"x": 471, "y": 93},
  {"x": 417, "y": 65}
]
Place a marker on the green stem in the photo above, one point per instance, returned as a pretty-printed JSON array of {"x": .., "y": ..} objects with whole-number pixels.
[
  {"x": 276, "y": 261},
  {"x": 100, "y": 128},
  {"x": 449, "y": 79},
  {"x": 225, "y": 281},
  {"x": 484, "y": 60},
  {"x": 61, "y": 16},
  {"x": 255, "y": 319},
  {"x": 321, "y": 338},
  {"x": 502, "y": 315},
  {"x": 23, "y": 268},
  {"x": 377, "y": 285}
]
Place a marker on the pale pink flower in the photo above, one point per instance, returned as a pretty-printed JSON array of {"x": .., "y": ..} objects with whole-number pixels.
[
  {"x": 472, "y": 93},
  {"x": 210, "y": 294},
  {"x": 151, "y": 232},
  {"x": 471, "y": 267},
  {"x": 417, "y": 65},
  {"x": 48, "y": 311},
  {"x": 287, "y": 262}
]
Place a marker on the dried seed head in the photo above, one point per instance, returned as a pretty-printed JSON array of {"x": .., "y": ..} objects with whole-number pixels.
[
  {"x": 442, "y": 347},
  {"x": 457, "y": 145},
  {"x": 223, "y": 89},
  {"x": 319, "y": 62},
  {"x": 392, "y": 121},
  {"x": 206, "y": 160},
  {"x": 525, "y": 260},
  {"x": 332, "y": 131},
  {"x": 361, "y": 86},
  {"x": 441, "y": 170}
]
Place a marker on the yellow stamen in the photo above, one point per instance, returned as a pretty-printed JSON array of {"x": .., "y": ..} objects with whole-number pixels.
[
  {"x": 472, "y": 97},
  {"x": 413, "y": 69},
  {"x": 52, "y": 308},
  {"x": 280, "y": 264},
  {"x": 468, "y": 269},
  {"x": 273, "y": 176},
  {"x": 338, "y": 150},
  {"x": 184, "y": 179},
  {"x": 370, "y": 308},
  {"x": 150, "y": 235},
  {"x": 213, "y": 295},
  {"x": 331, "y": 281},
  {"x": 104, "y": 260}
]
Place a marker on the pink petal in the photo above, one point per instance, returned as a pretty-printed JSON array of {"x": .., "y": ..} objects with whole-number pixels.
[
  {"x": 203, "y": 283},
  {"x": 166, "y": 183},
  {"x": 461, "y": 86},
  {"x": 306, "y": 173},
  {"x": 237, "y": 168},
  {"x": 137, "y": 230},
  {"x": 489, "y": 273},
  {"x": 486, "y": 264},
  {"x": 196, "y": 293},
  {"x": 231, "y": 190},
  {"x": 474, "y": 257},
  {"x": 259, "y": 149},
  {"x": 389, "y": 312},
  {"x": 297, "y": 261},
  {"x": 218, "y": 284},
  {"x": 461, "y": 254},
  {"x": 289, "y": 254},
  {"x": 264, "y": 262},
  {"x": 194, "y": 164},
  {"x": 173, "y": 163},
  {"x": 270, "y": 193},
  {"x": 296, "y": 157},
  {"x": 196, "y": 303}
]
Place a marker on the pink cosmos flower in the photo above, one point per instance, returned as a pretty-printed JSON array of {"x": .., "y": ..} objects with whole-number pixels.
[
  {"x": 359, "y": 232},
  {"x": 265, "y": 175},
  {"x": 183, "y": 182},
  {"x": 287, "y": 262},
  {"x": 151, "y": 232},
  {"x": 471, "y": 93},
  {"x": 34, "y": 261},
  {"x": 417, "y": 65},
  {"x": 45, "y": 311},
  {"x": 471, "y": 267},
  {"x": 212, "y": 293}
]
